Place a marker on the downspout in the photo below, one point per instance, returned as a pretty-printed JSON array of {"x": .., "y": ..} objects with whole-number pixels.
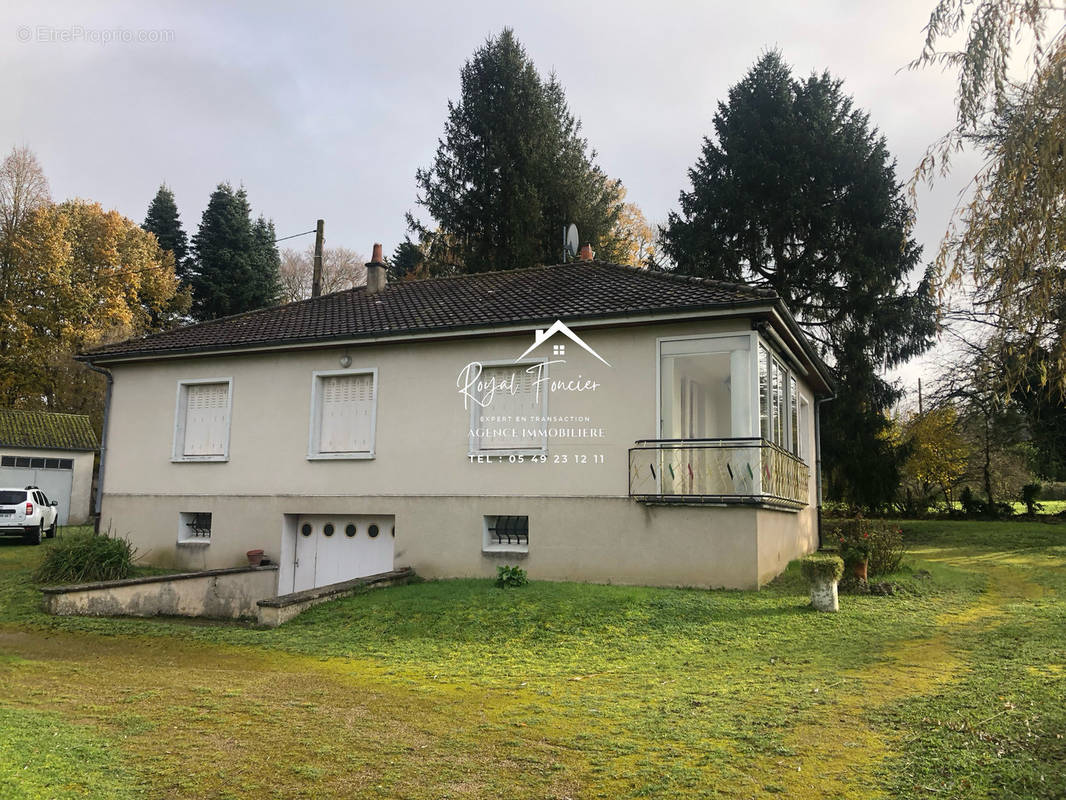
[
  {"x": 103, "y": 444},
  {"x": 818, "y": 459}
]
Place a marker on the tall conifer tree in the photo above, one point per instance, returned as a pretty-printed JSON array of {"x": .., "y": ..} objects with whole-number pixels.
[
  {"x": 512, "y": 171},
  {"x": 797, "y": 192},
  {"x": 164, "y": 221},
  {"x": 236, "y": 261}
]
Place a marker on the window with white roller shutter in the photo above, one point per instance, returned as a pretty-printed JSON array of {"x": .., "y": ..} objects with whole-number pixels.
[
  {"x": 512, "y": 419},
  {"x": 343, "y": 414},
  {"x": 202, "y": 422}
]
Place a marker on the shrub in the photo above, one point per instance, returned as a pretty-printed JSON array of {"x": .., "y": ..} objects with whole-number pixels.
[
  {"x": 822, "y": 567},
  {"x": 1030, "y": 494},
  {"x": 510, "y": 576},
  {"x": 879, "y": 545},
  {"x": 886, "y": 550},
  {"x": 86, "y": 557}
]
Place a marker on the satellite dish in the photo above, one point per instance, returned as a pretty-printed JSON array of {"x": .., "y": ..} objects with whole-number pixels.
[{"x": 572, "y": 242}]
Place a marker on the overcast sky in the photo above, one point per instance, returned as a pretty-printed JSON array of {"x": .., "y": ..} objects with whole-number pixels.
[{"x": 326, "y": 109}]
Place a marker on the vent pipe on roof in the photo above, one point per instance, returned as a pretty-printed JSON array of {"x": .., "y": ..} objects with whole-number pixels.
[
  {"x": 585, "y": 253},
  {"x": 375, "y": 272}
]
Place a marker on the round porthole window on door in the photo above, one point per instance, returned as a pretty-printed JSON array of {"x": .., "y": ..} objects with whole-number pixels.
[
  {"x": 305, "y": 529},
  {"x": 328, "y": 530},
  {"x": 349, "y": 531},
  {"x": 372, "y": 531}
]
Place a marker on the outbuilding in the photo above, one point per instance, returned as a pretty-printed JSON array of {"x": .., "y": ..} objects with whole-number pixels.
[{"x": 54, "y": 452}]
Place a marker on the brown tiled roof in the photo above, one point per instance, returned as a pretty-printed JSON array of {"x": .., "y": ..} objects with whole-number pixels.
[
  {"x": 579, "y": 290},
  {"x": 46, "y": 430}
]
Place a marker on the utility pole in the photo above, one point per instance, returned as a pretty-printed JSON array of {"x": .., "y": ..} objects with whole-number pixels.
[
  {"x": 316, "y": 272},
  {"x": 919, "y": 397}
]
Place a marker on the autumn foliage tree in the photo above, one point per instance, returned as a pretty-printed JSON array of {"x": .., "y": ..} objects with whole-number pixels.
[
  {"x": 938, "y": 455},
  {"x": 73, "y": 276}
]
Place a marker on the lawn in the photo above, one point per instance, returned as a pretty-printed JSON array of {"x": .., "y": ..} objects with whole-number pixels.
[{"x": 953, "y": 687}]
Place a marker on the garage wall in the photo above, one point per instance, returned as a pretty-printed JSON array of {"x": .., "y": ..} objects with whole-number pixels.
[{"x": 81, "y": 485}]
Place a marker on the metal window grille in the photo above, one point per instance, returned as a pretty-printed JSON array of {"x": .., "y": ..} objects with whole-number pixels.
[
  {"x": 200, "y": 525},
  {"x": 509, "y": 530}
]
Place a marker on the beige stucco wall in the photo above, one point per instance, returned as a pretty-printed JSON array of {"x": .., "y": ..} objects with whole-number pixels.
[
  {"x": 82, "y": 483},
  {"x": 583, "y": 526}
]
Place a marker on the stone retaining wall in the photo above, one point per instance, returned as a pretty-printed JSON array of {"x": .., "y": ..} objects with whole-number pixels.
[{"x": 219, "y": 593}]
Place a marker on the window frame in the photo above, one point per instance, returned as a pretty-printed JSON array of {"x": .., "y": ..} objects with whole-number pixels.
[
  {"x": 753, "y": 370},
  {"x": 490, "y": 547},
  {"x": 474, "y": 448},
  {"x": 177, "y": 453},
  {"x": 194, "y": 540},
  {"x": 315, "y": 429}
]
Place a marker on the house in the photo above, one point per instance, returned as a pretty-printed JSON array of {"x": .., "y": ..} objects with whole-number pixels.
[
  {"x": 660, "y": 430},
  {"x": 52, "y": 451}
]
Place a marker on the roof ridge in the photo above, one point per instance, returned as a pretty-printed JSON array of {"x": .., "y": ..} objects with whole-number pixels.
[
  {"x": 473, "y": 274},
  {"x": 678, "y": 276}
]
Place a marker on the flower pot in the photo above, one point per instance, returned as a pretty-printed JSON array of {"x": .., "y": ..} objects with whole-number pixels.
[
  {"x": 858, "y": 569},
  {"x": 255, "y": 558}
]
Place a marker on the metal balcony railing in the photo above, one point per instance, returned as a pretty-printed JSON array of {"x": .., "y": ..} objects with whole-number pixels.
[{"x": 752, "y": 471}]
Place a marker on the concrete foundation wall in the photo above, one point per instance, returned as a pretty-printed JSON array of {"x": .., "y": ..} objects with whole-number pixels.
[
  {"x": 783, "y": 537},
  {"x": 600, "y": 540},
  {"x": 228, "y": 594}
]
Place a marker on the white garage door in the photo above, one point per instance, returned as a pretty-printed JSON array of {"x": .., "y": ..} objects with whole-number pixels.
[
  {"x": 331, "y": 549},
  {"x": 54, "y": 477}
]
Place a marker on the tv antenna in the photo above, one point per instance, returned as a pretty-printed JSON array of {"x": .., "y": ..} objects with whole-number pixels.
[{"x": 570, "y": 243}]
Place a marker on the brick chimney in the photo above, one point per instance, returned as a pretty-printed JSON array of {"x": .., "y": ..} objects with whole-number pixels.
[
  {"x": 375, "y": 272},
  {"x": 585, "y": 253}
]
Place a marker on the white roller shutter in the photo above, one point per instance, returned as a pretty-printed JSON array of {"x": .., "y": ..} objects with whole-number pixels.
[
  {"x": 346, "y": 413},
  {"x": 206, "y": 419},
  {"x": 511, "y": 420}
]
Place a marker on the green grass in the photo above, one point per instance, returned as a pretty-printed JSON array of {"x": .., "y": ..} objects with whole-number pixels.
[
  {"x": 42, "y": 756},
  {"x": 954, "y": 687},
  {"x": 1047, "y": 507}
]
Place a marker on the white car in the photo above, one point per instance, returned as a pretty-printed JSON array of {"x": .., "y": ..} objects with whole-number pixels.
[{"x": 29, "y": 511}]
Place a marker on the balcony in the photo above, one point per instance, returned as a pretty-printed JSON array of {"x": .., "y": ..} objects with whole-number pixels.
[{"x": 726, "y": 471}]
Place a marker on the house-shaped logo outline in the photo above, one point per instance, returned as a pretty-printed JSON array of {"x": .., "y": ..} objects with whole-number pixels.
[{"x": 541, "y": 336}]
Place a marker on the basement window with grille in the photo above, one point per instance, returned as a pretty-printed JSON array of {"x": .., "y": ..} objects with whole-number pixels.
[
  {"x": 194, "y": 527},
  {"x": 506, "y": 534},
  {"x": 343, "y": 414}
]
